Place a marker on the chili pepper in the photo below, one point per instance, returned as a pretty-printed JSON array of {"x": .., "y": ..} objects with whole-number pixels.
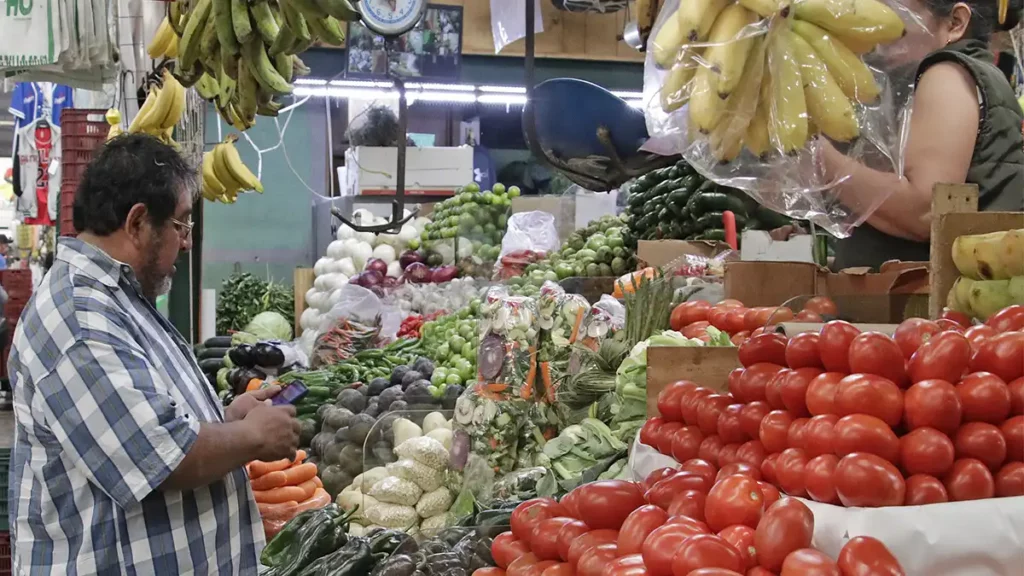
[
  {"x": 352, "y": 559},
  {"x": 286, "y": 538}
]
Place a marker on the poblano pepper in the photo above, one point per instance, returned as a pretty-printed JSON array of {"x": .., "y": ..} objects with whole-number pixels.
[
  {"x": 389, "y": 541},
  {"x": 274, "y": 553},
  {"x": 320, "y": 536},
  {"x": 352, "y": 559}
]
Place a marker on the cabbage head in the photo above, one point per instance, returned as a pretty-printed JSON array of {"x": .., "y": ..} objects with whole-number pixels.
[{"x": 270, "y": 326}]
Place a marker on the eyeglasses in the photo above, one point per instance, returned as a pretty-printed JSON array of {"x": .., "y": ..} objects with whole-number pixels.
[{"x": 184, "y": 228}]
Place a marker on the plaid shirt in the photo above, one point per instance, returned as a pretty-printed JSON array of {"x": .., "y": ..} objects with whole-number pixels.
[{"x": 108, "y": 399}]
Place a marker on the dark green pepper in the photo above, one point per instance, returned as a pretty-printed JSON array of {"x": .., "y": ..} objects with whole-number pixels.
[
  {"x": 272, "y": 554},
  {"x": 352, "y": 559},
  {"x": 400, "y": 565},
  {"x": 320, "y": 536},
  {"x": 712, "y": 234},
  {"x": 389, "y": 541}
]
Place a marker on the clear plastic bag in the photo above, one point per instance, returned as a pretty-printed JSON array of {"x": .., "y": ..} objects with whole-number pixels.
[
  {"x": 771, "y": 138},
  {"x": 486, "y": 425},
  {"x": 507, "y": 356},
  {"x": 508, "y": 21},
  {"x": 529, "y": 237}
]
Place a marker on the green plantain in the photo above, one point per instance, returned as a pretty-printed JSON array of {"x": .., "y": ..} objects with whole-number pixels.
[
  {"x": 255, "y": 55},
  {"x": 188, "y": 48},
  {"x": 266, "y": 23},
  {"x": 240, "y": 21}
]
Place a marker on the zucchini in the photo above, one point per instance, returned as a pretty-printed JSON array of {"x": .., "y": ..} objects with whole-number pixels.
[
  {"x": 712, "y": 234},
  {"x": 211, "y": 365},
  {"x": 719, "y": 202},
  {"x": 207, "y": 353},
  {"x": 218, "y": 342}
]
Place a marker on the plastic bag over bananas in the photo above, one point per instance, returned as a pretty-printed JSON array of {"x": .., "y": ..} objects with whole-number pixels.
[{"x": 747, "y": 91}]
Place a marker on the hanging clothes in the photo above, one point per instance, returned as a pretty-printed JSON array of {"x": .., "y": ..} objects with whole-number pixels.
[
  {"x": 39, "y": 155},
  {"x": 30, "y": 100}
]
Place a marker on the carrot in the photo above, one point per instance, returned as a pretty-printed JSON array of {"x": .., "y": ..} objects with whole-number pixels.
[
  {"x": 258, "y": 468},
  {"x": 298, "y": 474},
  {"x": 272, "y": 527},
  {"x": 545, "y": 375},
  {"x": 576, "y": 326},
  {"x": 319, "y": 499},
  {"x": 308, "y": 489},
  {"x": 274, "y": 479},
  {"x": 282, "y": 494},
  {"x": 254, "y": 384},
  {"x": 276, "y": 511},
  {"x": 299, "y": 457},
  {"x": 527, "y": 390},
  {"x": 319, "y": 483}
]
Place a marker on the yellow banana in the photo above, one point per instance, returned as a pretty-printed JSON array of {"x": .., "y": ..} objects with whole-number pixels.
[
  {"x": 868, "y": 21},
  {"x": 829, "y": 109},
  {"x": 143, "y": 120},
  {"x": 675, "y": 92},
  {"x": 849, "y": 71},
  {"x": 756, "y": 139},
  {"x": 212, "y": 187},
  {"x": 239, "y": 171},
  {"x": 221, "y": 170},
  {"x": 696, "y": 18},
  {"x": 727, "y": 54},
  {"x": 176, "y": 101},
  {"x": 706, "y": 106},
  {"x": 161, "y": 41},
  {"x": 727, "y": 138},
  {"x": 765, "y": 8},
  {"x": 172, "y": 47},
  {"x": 784, "y": 97},
  {"x": 666, "y": 43}
]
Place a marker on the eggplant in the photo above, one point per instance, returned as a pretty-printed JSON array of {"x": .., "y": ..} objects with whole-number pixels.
[
  {"x": 242, "y": 356},
  {"x": 267, "y": 355}
]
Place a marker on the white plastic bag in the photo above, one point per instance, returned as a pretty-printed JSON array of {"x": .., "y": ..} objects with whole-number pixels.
[
  {"x": 362, "y": 305},
  {"x": 534, "y": 231},
  {"x": 508, "y": 21}
]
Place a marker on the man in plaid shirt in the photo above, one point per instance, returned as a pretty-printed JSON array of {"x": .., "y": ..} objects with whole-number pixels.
[{"x": 123, "y": 460}]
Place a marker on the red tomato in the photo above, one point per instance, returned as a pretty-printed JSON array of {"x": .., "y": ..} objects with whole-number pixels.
[
  {"x": 1010, "y": 480},
  {"x": 741, "y": 538},
  {"x": 822, "y": 305},
  {"x": 569, "y": 502},
  {"x": 768, "y": 468},
  {"x": 948, "y": 325},
  {"x": 790, "y": 469},
  {"x": 736, "y": 499},
  {"x": 1009, "y": 319},
  {"x": 728, "y": 454},
  {"x": 773, "y": 389},
  {"x": 654, "y": 477},
  {"x": 689, "y": 312},
  {"x": 797, "y": 434},
  {"x": 526, "y": 516},
  {"x": 710, "y": 408},
  {"x": 566, "y": 536},
  {"x": 819, "y": 478},
  {"x": 793, "y": 389},
  {"x": 774, "y": 430},
  {"x": 686, "y": 443},
  {"x": 754, "y": 379},
  {"x": 778, "y": 315},
  {"x": 734, "y": 320},
  {"x": 912, "y": 333},
  {"x": 662, "y": 493},
  {"x": 981, "y": 441},
  {"x": 649, "y": 431},
  {"x": 661, "y": 545},
  {"x": 589, "y": 540},
  {"x": 705, "y": 551},
  {"x": 631, "y": 565},
  {"x": 821, "y": 393},
  {"x": 978, "y": 334},
  {"x": 751, "y": 453},
  {"x": 863, "y": 433},
  {"x": 870, "y": 394},
  {"x": 519, "y": 566},
  {"x": 638, "y": 526},
  {"x": 545, "y": 539},
  {"x": 1013, "y": 431},
  {"x": 984, "y": 397},
  {"x": 669, "y": 399},
  {"x": 808, "y": 316},
  {"x": 696, "y": 330},
  {"x": 923, "y": 489},
  {"x": 701, "y": 467},
  {"x": 926, "y": 451},
  {"x": 739, "y": 338},
  {"x": 693, "y": 525},
  {"x": 539, "y": 569},
  {"x": 969, "y": 479},
  {"x": 786, "y": 526},
  {"x": 756, "y": 318},
  {"x": 730, "y": 427},
  {"x": 606, "y": 503},
  {"x": 559, "y": 569},
  {"x": 717, "y": 317},
  {"x": 820, "y": 434},
  {"x": 1016, "y": 397},
  {"x": 689, "y": 503},
  {"x": 1001, "y": 356},
  {"x": 869, "y": 481},
  {"x": 664, "y": 436},
  {"x": 505, "y": 548},
  {"x": 867, "y": 556},
  {"x": 945, "y": 356},
  {"x": 738, "y": 468},
  {"x": 963, "y": 320},
  {"x": 771, "y": 494},
  {"x": 759, "y": 571},
  {"x": 834, "y": 345},
  {"x": 710, "y": 448},
  {"x": 809, "y": 562},
  {"x": 770, "y": 347},
  {"x": 593, "y": 561},
  {"x": 802, "y": 351},
  {"x": 751, "y": 416},
  {"x": 933, "y": 403},
  {"x": 691, "y": 403},
  {"x": 491, "y": 571},
  {"x": 876, "y": 353}
]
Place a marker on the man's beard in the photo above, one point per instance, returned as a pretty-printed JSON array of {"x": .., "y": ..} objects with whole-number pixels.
[{"x": 153, "y": 282}]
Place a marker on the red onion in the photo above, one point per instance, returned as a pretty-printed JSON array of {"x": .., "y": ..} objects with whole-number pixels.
[
  {"x": 369, "y": 278},
  {"x": 408, "y": 257},
  {"x": 444, "y": 274},
  {"x": 389, "y": 281},
  {"x": 417, "y": 272},
  {"x": 377, "y": 265}
]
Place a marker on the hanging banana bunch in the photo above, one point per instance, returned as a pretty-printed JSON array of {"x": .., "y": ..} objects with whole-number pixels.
[
  {"x": 225, "y": 176},
  {"x": 242, "y": 55},
  {"x": 771, "y": 92},
  {"x": 162, "y": 109}
]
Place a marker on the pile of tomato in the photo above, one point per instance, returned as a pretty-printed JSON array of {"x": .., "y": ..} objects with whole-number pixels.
[
  {"x": 933, "y": 414},
  {"x": 697, "y": 521},
  {"x": 732, "y": 317}
]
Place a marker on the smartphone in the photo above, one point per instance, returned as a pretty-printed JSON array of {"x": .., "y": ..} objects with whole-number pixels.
[{"x": 290, "y": 394}]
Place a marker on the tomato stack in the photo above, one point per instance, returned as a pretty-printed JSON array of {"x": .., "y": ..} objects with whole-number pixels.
[
  {"x": 732, "y": 317},
  {"x": 691, "y": 522},
  {"x": 933, "y": 414}
]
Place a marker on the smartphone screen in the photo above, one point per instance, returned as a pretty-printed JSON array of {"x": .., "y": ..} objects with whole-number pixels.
[{"x": 290, "y": 394}]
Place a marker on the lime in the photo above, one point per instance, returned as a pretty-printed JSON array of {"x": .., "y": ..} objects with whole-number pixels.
[
  {"x": 498, "y": 188},
  {"x": 443, "y": 351},
  {"x": 457, "y": 342},
  {"x": 472, "y": 187},
  {"x": 514, "y": 191},
  {"x": 438, "y": 376},
  {"x": 467, "y": 351},
  {"x": 453, "y": 379}
]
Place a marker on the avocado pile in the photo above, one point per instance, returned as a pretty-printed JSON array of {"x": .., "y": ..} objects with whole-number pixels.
[{"x": 677, "y": 203}]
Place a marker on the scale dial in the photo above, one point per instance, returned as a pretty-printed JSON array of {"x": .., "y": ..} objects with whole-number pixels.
[{"x": 391, "y": 17}]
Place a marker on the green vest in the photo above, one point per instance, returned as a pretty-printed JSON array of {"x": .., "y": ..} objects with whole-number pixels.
[{"x": 997, "y": 166}]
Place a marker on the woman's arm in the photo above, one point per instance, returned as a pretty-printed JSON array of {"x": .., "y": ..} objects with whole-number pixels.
[{"x": 943, "y": 130}]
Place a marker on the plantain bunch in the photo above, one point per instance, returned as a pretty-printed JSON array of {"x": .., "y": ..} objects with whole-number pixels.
[
  {"x": 768, "y": 75},
  {"x": 225, "y": 176}
]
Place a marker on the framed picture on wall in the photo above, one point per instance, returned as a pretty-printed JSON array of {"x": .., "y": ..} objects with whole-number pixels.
[{"x": 430, "y": 51}]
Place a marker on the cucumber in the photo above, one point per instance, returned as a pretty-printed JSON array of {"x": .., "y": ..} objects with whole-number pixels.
[
  {"x": 211, "y": 365},
  {"x": 712, "y": 234},
  {"x": 207, "y": 353},
  {"x": 719, "y": 202},
  {"x": 218, "y": 342},
  {"x": 771, "y": 219}
]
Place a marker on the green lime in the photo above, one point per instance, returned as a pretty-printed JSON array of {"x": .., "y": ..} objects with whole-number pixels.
[
  {"x": 457, "y": 342},
  {"x": 453, "y": 379},
  {"x": 514, "y": 191},
  {"x": 438, "y": 376},
  {"x": 472, "y": 187}
]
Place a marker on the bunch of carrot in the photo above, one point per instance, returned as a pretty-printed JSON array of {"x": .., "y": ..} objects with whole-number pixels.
[{"x": 284, "y": 488}]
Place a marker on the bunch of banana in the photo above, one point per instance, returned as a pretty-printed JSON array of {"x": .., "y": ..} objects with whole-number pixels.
[
  {"x": 164, "y": 43},
  {"x": 161, "y": 110},
  {"x": 767, "y": 75},
  {"x": 242, "y": 55},
  {"x": 992, "y": 269},
  {"x": 225, "y": 176},
  {"x": 113, "y": 117}
]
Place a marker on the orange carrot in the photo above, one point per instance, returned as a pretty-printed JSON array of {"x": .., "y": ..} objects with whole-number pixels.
[
  {"x": 272, "y": 527},
  {"x": 300, "y": 456},
  {"x": 527, "y": 389},
  {"x": 319, "y": 499},
  {"x": 258, "y": 468},
  {"x": 287, "y": 510},
  {"x": 298, "y": 474},
  {"x": 319, "y": 483},
  {"x": 549, "y": 387},
  {"x": 274, "y": 479},
  {"x": 282, "y": 494},
  {"x": 276, "y": 511},
  {"x": 576, "y": 326},
  {"x": 308, "y": 489},
  {"x": 254, "y": 384}
]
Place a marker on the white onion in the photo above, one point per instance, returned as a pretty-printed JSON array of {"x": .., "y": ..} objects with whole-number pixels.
[
  {"x": 320, "y": 284},
  {"x": 385, "y": 253},
  {"x": 420, "y": 223},
  {"x": 334, "y": 249},
  {"x": 320, "y": 268},
  {"x": 347, "y": 267},
  {"x": 333, "y": 267},
  {"x": 367, "y": 237},
  {"x": 407, "y": 234},
  {"x": 310, "y": 296},
  {"x": 334, "y": 298},
  {"x": 361, "y": 252},
  {"x": 310, "y": 319},
  {"x": 465, "y": 248},
  {"x": 394, "y": 269},
  {"x": 334, "y": 281},
  {"x": 386, "y": 240},
  {"x": 348, "y": 245},
  {"x": 362, "y": 216},
  {"x": 345, "y": 232}
]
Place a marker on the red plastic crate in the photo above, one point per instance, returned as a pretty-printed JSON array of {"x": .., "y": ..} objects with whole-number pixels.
[
  {"x": 83, "y": 130},
  {"x": 5, "y": 553}
]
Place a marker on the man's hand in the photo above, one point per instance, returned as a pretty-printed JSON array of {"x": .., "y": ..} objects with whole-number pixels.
[
  {"x": 242, "y": 405},
  {"x": 277, "y": 430}
]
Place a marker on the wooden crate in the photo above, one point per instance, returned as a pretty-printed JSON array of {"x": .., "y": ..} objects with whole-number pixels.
[{"x": 303, "y": 281}]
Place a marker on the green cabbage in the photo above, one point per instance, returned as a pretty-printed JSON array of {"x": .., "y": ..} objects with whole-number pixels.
[{"x": 270, "y": 326}]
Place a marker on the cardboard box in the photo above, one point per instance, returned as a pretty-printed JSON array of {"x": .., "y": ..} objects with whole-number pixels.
[
  {"x": 563, "y": 208},
  {"x": 371, "y": 170},
  {"x": 708, "y": 367},
  {"x": 663, "y": 252},
  {"x": 954, "y": 214},
  {"x": 757, "y": 245}
]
